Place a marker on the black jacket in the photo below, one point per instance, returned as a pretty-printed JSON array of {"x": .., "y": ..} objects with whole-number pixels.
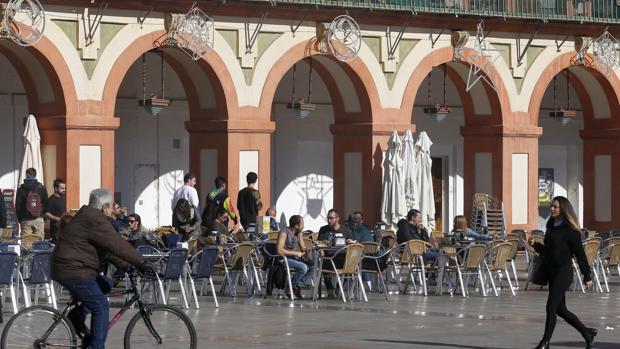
[
  {"x": 86, "y": 243},
  {"x": 21, "y": 198},
  {"x": 561, "y": 244},
  {"x": 407, "y": 231}
]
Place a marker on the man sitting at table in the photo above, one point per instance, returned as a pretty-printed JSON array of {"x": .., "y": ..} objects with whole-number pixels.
[
  {"x": 336, "y": 235},
  {"x": 219, "y": 227},
  {"x": 413, "y": 229},
  {"x": 291, "y": 244}
]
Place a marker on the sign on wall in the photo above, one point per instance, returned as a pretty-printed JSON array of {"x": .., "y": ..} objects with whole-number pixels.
[{"x": 546, "y": 181}]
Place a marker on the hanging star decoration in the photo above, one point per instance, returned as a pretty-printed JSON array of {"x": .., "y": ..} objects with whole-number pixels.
[
  {"x": 480, "y": 59},
  {"x": 606, "y": 57}
]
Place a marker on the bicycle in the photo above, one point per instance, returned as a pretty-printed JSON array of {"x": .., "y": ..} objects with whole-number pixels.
[{"x": 163, "y": 326}]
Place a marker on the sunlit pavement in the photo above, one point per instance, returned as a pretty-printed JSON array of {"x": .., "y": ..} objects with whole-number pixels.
[{"x": 407, "y": 321}]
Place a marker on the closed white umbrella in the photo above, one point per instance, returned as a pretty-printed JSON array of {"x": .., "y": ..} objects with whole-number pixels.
[
  {"x": 424, "y": 179},
  {"x": 32, "y": 150},
  {"x": 393, "y": 205},
  {"x": 409, "y": 174}
]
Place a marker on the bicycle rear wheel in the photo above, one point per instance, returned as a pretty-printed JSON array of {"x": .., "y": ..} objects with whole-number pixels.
[
  {"x": 175, "y": 329},
  {"x": 26, "y": 329}
]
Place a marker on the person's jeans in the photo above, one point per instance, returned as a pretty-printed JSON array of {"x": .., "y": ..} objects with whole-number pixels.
[
  {"x": 303, "y": 272},
  {"x": 88, "y": 292}
]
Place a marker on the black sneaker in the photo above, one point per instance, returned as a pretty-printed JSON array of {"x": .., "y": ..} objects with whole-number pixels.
[{"x": 297, "y": 292}]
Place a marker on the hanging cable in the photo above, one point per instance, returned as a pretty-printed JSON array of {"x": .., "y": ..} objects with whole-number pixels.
[
  {"x": 444, "y": 84},
  {"x": 555, "y": 95},
  {"x": 144, "y": 78},
  {"x": 568, "y": 89},
  {"x": 163, "y": 79},
  {"x": 310, "y": 83},
  {"x": 293, "y": 89},
  {"x": 429, "y": 95}
]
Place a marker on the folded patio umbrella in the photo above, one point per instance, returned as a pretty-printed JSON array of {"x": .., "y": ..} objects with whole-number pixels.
[
  {"x": 393, "y": 205},
  {"x": 409, "y": 173},
  {"x": 424, "y": 180},
  {"x": 32, "y": 150}
]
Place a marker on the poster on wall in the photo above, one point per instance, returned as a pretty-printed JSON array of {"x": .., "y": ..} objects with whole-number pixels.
[{"x": 546, "y": 181}]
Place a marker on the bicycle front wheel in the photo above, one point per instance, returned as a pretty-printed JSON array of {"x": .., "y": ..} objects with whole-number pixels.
[
  {"x": 174, "y": 329},
  {"x": 28, "y": 328}
]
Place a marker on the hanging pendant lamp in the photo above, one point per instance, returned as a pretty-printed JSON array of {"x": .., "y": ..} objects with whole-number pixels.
[
  {"x": 562, "y": 115},
  {"x": 437, "y": 112},
  {"x": 154, "y": 105},
  {"x": 302, "y": 108}
]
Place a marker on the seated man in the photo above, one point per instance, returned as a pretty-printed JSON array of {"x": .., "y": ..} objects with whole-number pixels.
[
  {"x": 335, "y": 234},
  {"x": 412, "y": 229},
  {"x": 220, "y": 227},
  {"x": 289, "y": 240},
  {"x": 360, "y": 231}
]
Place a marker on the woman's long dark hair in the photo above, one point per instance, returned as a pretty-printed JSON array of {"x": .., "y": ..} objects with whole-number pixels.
[
  {"x": 567, "y": 213},
  {"x": 138, "y": 219}
]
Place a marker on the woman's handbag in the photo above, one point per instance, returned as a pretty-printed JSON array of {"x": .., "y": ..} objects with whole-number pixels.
[{"x": 539, "y": 271}]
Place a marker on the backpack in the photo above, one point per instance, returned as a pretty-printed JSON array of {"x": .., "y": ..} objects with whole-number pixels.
[
  {"x": 34, "y": 204},
  {"x": 208, "y": 215},
  {"x": 278, "y": 275}
]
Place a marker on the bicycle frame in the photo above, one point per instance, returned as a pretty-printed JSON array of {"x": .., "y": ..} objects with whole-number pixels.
[{"x": 128, "y": 303}]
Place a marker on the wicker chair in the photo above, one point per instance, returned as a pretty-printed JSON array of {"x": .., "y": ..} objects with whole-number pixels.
[
  {"x": 531, "y": 252},
  {"x": 412, "y": 260},
  {"x": 350, "y": 270},
  {"x": 496, "y": 264},
  {"x": 591, "y": 248},
  {"x": 472, "y": 264}
]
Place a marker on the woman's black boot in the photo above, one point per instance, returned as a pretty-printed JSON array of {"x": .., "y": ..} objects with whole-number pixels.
[
  {"x": 589, "y": 336},
  {"x": 544, "y": 344}
]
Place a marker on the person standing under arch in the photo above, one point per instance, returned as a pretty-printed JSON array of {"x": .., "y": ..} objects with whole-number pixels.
[
  {"x": 562, "y": 242},
  {"x": 249, "y": 202}
]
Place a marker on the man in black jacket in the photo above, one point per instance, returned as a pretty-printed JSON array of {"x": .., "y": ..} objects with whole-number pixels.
[
  {"x": 30, "y": 203},
  {"x": 81, "y": 249},
  {"x": 412, "y": 229}
]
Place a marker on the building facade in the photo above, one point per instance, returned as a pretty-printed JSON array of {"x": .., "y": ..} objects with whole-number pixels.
[{"x": 228, "y": 113}]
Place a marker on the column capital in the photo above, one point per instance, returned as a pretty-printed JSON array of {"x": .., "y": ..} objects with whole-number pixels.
[
  {"x": 524, "y": 131},
  {"x": 230, "y": 126},
  {"x": 85, "y": 122},
  {"x": 369, "y": 129}
]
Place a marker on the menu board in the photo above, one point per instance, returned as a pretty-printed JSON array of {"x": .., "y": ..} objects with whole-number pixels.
[{"x": 11, "y": 217}]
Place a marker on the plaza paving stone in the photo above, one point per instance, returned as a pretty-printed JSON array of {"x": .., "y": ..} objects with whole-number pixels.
[{"x": 407, "y": 321}]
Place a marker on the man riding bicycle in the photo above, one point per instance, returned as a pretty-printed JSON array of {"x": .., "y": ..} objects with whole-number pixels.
[{"x": 83, "y": 246}]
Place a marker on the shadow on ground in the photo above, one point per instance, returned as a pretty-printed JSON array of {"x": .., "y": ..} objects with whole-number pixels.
[
  {"x": 434, "y": 344},
  {"x": 595, "y": 345}
]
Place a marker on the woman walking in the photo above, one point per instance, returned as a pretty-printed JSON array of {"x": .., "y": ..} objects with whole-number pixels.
[{"x": 562, "y": 242}]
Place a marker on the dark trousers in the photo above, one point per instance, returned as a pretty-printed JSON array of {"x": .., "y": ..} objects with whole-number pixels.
[
  {"x": 556, "y": 303},
  {"x": 88, "y": 292}
]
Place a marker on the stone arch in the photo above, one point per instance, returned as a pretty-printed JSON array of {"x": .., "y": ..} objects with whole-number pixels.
[
  {"x": 211, "y": 63},
  {"x": 499, "y": 102},
  {"x": 356, "y": 70},
  {"x": 46, "y": 58},
  {"x": 610, "y": 86}
]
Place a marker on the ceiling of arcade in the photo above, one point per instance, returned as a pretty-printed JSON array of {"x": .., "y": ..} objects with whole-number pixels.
[{"x": 246, "y": 72}]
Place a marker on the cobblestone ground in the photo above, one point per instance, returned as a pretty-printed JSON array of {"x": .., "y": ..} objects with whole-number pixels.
[{"x": 406, "y": 321}]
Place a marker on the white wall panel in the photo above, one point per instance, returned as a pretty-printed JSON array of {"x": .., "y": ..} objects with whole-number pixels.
[
  {"x": 520, "y": 191},
  {"x": 90, "y": 171},
  {"x": 248, "y": 162}
]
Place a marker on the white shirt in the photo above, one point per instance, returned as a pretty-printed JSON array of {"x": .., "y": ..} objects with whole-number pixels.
[{"x": 186, "y": 192}]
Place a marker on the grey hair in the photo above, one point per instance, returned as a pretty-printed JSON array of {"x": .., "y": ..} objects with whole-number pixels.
[{"x": 99, "y": 197}]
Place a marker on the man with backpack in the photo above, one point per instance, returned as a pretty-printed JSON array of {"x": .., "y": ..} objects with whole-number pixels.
[
  {"x": 30, "y": 201},
  {"x": 216, "y": 199}
]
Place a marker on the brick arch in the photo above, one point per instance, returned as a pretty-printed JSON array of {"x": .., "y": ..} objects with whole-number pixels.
[
  {"x": 610, "y": 86},
  {"x": 356, "y": 70},
  {"x": 211, "y": 63},
  {"x": 499, "y": 102},
  {"x": 56, "y": 71}
]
